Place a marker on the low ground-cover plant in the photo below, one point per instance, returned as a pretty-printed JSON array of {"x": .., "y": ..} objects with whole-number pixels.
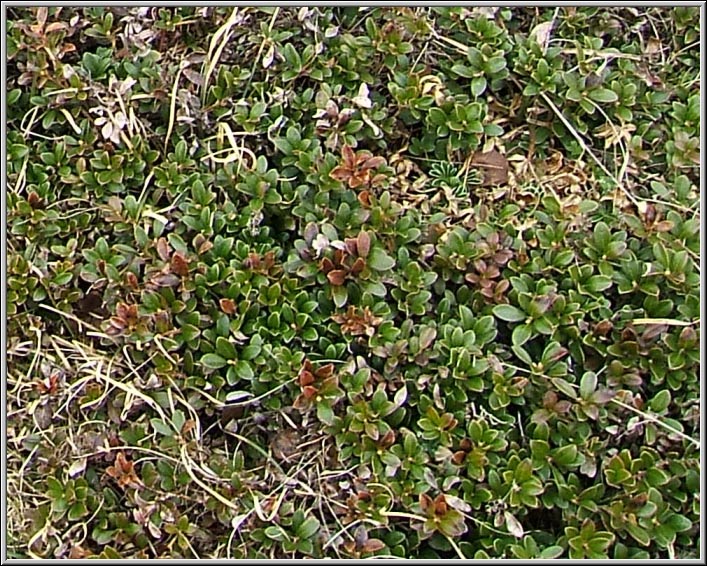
[{"x": 345, "y": 282}]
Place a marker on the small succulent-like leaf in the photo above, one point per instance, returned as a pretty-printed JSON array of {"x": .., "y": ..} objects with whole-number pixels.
[
  {"x": 380, "y": 260},
  {"x": 509, "y": 313},
  {"x": 213, "y": 361},
  {"x": 588, "y": 384},
  {"x": 308, "y": 528}
]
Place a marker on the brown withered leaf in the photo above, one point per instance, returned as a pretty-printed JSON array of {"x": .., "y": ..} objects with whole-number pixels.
[
  {"x": 364, "y": 197},
  {"x": 652, "y": 331},
  {"x": 164, "y": 280},
  {"x": 205, "y": 247},
  {"x": 34, "y": 200},
  {"x": 494, "y": 166},
  {"x": 372, "y": 545},
  {"x": 179, "y": 264},
  {"x": 285, "y": 443},
  {"x": 130, "y": 280},
  {"x": 440, "y": 504},
  {"x": 425, "y": 502},
  {"x": 163, "y": 249},
  {"x": 128, "y": 313},
  {"x": 92, "y": 302},
  {"x": 123, "y": 470},
  {"x": 231, "y": 412},
  {"x": 458, "y": 457},
  {"x": 228, "y": 306}
]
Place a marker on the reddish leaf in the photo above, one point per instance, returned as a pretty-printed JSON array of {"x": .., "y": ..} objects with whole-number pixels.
[
  {"x": 126, "y": 312},
  {"x": 358, "y": 266},
  {"x": 34, "y": 200},
  {"x": 326, "y": 265},
  {"x": 363, "y": 243},
  {"x": 252, "y": 261},
  {"x": 305, "y": 378},
  {"x": 351, "y": 246},
  {"x": 336, "y": 277},
  {"x": 309, "y": 391},
  {"x": 339, "y": 256},
  {"x": 387, "y": 440}
]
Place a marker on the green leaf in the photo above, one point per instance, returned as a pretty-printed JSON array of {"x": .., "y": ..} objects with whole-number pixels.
[
  {"x": 463, "y": 71},
  {"x": 339, "y": 295},
  {"x": 244, "y": 370},
  {"x": 551, "y": 552},
  {"x": 521, "y": 334},
  {"x": 660, "y": 402},
  {"x": 565, "y": 456},
  {"x": 522, "y": 354},
  {"x": 679, "y": 523},
  {"x": 161, "y": 427},
  {"x": 603, "y": 95},
  {"x": 639, "y": 534},
  {"x": 564, "y": 387},
  {"x": 251, "y": 352},
  {"x": 379, "y": 260},
  {"x": 478, "y": 86},
  {"x": 225, "y": 349},
  {"x": 308, "y": 528},
  {"x": 77, "y": 510},
  {"x": 509, "y": 313},
  {"x": 588, "y": 384},
  {"x": 189, "y": 332},
  {"x": 597, "y": 283},
  {"x": 213, "y": 361},
  {"x": 325, "y": 413},
  {"x": 656, "y": 477}
]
